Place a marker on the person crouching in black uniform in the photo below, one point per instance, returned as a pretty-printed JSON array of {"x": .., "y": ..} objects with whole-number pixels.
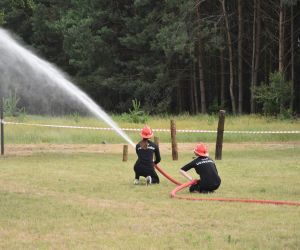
[
  {"x": 206, "y": 168},
  {"x": 145, "y": 151}
]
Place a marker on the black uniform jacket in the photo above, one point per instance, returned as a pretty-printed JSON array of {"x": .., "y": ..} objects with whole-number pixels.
[
  {"x": 207, "y": 170},
  {"x": 145, "y": 156}
]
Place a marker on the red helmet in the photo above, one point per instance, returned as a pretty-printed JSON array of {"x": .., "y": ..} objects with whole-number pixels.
[
  {"x": 201, "y": 150},
  {"x": 146, "y": 132}
]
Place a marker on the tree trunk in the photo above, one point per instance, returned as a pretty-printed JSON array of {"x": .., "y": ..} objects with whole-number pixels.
[
  {"x": 200, "y": 65},
  {"x": 281, "y": 39},
  {"x": 195, "y": 89},
  {"x": 222, "y": 89},
  {"x": 192, "y": 99},
  {"x": 240, "y": 56},
  {"x": 281, "y": 45},
  {"x": 292, "y": 60},
  {"x": 201, "y": 80},
  {"x": 255, "y": 51},
  {"x": 179, "y": 98},
  {"x": 230, "y": 51},
  {"x": 216, "y": 81},
  {"x": 222, "y": 67}
]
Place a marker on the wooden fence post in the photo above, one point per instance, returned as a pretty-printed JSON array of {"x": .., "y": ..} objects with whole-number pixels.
[
  {"x": 125, "y": 152},
  {"x": 219, "y": 142},
  {"x": 174, "y": 143},
  {"x": 2, "y": 124}
]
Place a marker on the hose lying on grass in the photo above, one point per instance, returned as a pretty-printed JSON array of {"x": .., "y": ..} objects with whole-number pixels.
[
  {"x": 181, "y": 186},
  {"x": 167, "y": 175}
]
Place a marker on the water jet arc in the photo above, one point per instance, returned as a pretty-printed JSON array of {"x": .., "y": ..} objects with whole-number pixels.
[{"x": 17, "y": 53}]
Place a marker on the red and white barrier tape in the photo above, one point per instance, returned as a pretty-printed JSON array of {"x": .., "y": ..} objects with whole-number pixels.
[{"x": 155, "y": 130}]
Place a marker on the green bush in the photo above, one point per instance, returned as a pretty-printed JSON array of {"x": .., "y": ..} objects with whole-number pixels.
[
  {"x": 11, "y": 108},
  {"x": 75, "y": 116},
  {"x": 136, "y": 114},
  {"x": 275, "y": 96}
]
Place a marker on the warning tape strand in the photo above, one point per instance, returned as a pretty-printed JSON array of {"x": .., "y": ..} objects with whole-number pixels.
[{"x": 155, "y": 130}]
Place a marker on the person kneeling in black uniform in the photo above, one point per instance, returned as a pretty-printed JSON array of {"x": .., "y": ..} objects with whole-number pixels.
[
  {"x": 206, "y": 168},
  {"x": 145, "y": 151}
]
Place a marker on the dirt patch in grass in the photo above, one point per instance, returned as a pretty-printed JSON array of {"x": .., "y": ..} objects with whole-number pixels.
[{"x": 28, "y": 149}]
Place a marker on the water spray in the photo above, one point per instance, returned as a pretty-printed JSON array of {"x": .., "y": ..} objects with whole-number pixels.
[
  {"x": 1, "y": 125},
  {"x": 18, "y": 63}
]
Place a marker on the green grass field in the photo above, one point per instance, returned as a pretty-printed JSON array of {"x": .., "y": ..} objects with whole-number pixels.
[
  {"x": 88, "y": 201},
  {"x": 19, "y": 134}
]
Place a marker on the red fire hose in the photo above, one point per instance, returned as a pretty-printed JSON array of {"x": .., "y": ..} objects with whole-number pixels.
[
  {"x": 187, "y": 184},
  {"x": 166, "y": 175}
]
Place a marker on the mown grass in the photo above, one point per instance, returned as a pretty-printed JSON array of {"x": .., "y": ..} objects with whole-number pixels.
[
  {"x": 87, "y": 201},
  {"x": 17, "y": 134}
]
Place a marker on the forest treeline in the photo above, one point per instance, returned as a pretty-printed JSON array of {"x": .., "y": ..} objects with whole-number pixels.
[{"x": 172, "y": 56}]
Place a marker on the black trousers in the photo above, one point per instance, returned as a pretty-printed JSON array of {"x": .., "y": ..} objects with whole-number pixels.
[
  {"x": 203, "y": 187},
  {"x": 145, "y": 171}
]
